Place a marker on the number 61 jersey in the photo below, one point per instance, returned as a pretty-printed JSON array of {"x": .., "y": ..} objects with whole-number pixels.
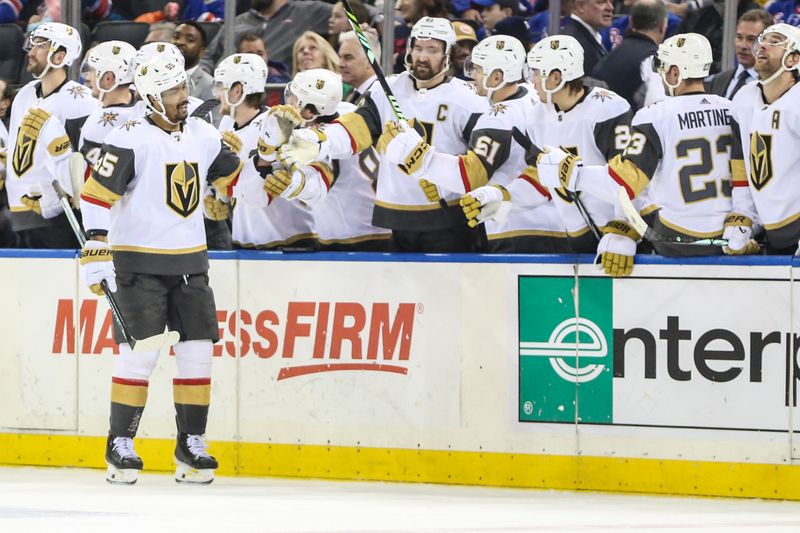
[{"x": 682, "y": 145}]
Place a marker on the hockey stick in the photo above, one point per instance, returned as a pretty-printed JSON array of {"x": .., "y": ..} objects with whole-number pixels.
[
  {"x": 156, "y": 342},
  {"x": 205, "y": 108},
  {"x": 641, "y": 227},
  {"x": 376, "y": 67},
  {"x": 575, "y": 197}
]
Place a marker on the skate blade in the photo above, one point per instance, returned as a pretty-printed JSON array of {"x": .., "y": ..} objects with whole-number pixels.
[
  {"x": 186, "y": 474},
  {"x": 117, "y": 476}
]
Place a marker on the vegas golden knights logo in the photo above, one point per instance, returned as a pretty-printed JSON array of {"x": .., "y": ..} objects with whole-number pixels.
[
  {"x": 500, "y": 45},
  {"x": 183, "y": 188},
  {"x": 22, "y": 159},
  {"x": 115, "y": 50},
  {"x": 681, "y": 42},
  {"x": 237, "y": 59},
  {"x": 320, "y": 84},
  {"x": 554, "y": 44},
  {"x": 161, "y": 48},
  {"x": 760, "y": 159}
]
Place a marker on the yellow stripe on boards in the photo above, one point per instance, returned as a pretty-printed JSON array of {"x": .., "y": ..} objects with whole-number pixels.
[{"x": 698, "y": 478}]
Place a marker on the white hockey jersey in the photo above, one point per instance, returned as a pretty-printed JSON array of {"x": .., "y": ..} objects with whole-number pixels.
[
  {"x": 683, "y": 144},
  {"x": 153, "y": 182},
  {"x": 596, "y": 129},
  {"x": 444, "y": 115},
  {"x": 101, "y": 122},
  {"x": 343, "y": 211},
  {"x": 33, "y": 163},
  {"x": 766, "y": 162},
  {"x": 500, "y": 143},
  {"x": 258, "y": 223}
]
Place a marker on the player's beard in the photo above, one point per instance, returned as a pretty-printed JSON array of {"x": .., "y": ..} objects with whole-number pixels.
[
  {"x": 767, "y": 67},
  {"x": 34, "y": 67},
  {"x": 423, "y": 71},
  {"x": 180, "y": 113}
]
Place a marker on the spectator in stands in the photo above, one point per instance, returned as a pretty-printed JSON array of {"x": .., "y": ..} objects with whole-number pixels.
[
  {"x": 310, "y": 50},
  {"x": 466, "y": 39},
  {"x": 9, "y": 10},
  {"x": 203, "y": 10},
  {"x": 52, "y": 11},
  {"x": 355, "y": 68},
  {"x": 538, "y": 23},
  {"x": 516, "y": 27},
  {"x": 160, "y": 32},
  {"x": 748, "y": 28},
  {"x": 252, "y": 43},
  {"x": 787, "y": 11},
  {"x": 588, "y": 17},
  {"x": 280, "y": 22},
  {"x": 190, "y": 38},
  {"x": 338, "y": 23},
  {"x": 496, "y": 10},
  {"x": 622, "y": 68}
]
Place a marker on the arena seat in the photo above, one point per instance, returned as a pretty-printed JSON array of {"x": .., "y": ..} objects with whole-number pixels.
[
  {"x": 211, "y": 29},
  {"x": 11, "y": 54},
  {"x": 131, "y": 32}
]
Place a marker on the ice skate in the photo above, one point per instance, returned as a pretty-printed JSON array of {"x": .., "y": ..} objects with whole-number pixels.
[
  {"x": 194, "y": 464},
  {"x": 123, "y": 463}
]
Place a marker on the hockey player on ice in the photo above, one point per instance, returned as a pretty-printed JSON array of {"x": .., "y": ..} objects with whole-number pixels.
[{"x": 143, "y": 204}]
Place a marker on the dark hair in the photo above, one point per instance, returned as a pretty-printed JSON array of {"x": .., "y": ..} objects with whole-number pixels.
[
  {"x": 648, "y": 15},
  {"x": 756, "y": 15},
  {"x": 574, "y": 86},
  {"x": 247, "y": 37},
  {"x": 430, "y": 8},
  {"x": 254, "y": 100},
  {"x": 360, "y": 11},
  {"x": 196, "y": 26}
]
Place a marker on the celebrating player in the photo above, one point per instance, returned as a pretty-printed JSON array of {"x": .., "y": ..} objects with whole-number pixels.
[{"x": 143, "y": 202}]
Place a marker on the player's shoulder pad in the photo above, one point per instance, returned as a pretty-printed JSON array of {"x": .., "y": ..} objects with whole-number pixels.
[
  {"x": 651, "y": 113},
  {"x": 203, "y": 127},
  {"x": 345, "y": 107},
  {"x": 129, "y": 134},
  {"x": 76, "y": 100},
  {"x": 747, "y": 96},
  {"x": 607, "y": 103}
]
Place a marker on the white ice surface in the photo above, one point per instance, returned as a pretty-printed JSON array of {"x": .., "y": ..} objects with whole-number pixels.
[{"x": 71, "y": 500}]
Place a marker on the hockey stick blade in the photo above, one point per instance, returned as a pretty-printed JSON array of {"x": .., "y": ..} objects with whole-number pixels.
[
  {"x": 155, "y": 342},
  {"x": 641, "y": 227}
]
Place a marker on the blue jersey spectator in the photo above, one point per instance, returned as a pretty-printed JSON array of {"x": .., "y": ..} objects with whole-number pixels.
[
  {"x": 9, "y": 10},
  {"x": 787, "y": 11}
]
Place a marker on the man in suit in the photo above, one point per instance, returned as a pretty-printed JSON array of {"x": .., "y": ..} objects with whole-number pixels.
[
  {"x": 588, "y": 17},
  {"x": 190, "y": 38},
  {"x": 748, "y": 28},
  {"x": 355, "y": 68}
]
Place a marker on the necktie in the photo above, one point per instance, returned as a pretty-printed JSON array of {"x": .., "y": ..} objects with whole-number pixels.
[
  {"x": 740, "y": 82},
  {"x": 353, "y": 96}
]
